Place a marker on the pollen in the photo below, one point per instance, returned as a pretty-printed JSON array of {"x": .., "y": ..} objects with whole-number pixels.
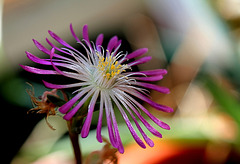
[{"x": 109, "y": 66}]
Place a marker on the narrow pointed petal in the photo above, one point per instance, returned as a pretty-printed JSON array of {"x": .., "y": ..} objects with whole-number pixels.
[
  {"x": 110, "y": 132},
  {"x": 67, "y": 74},
  {"x": 112, "y": 43},
  {"x": 88, "y": 120},
  {"x": 136, "y": 53},
  {"x": 146, "y": 124},
  {"x": 58, "y": 49},
  {"x": 38, "y": 71},
  {"x": 153, "y": 87},
  {"x": 99, "y": 125},
  {"x": 73, "y": 33},
  {"x": 72, "y": 112},
  {"x": 57, "y": 86},
  {"x": 156, "y": 120},
  {"x": 86, "y": 36},
  {"x": 140, "y": 61},
  {"x": 146, "y": 138},
  {"x": 99, "y": 42},
  {"x": 64, "y": 108},
  {"x": 125, "y": 103},
  {"x": 118, "y": 138},
  {"x": 153, "y": 72},
  {"x": 150, "y": 102},
  {"x": 41, "y": 47},
  {"x": 58, "y": 39},
  {"x": 44, "y": 61},
  {"x": 36, "y": 59},
  {"x": 149, "y": 78},
  {"x": 85, "y": 33},
  {"x": 129, "y": 125},
  {"x": 110, "y": 112},
  {"x": 108, "y": 108},
  {"x": 118, "y": 44},
  {"x": 51, "y": 58}
]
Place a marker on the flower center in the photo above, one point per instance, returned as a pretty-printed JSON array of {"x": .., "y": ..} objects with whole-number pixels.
[{"x": 109, "y": 66}]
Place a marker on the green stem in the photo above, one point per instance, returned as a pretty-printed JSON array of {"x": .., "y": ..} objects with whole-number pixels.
[{"x": 74, "y": 137}]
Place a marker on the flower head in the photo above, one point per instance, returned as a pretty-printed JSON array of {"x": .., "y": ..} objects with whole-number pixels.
[{"x": 104, "y": 76}]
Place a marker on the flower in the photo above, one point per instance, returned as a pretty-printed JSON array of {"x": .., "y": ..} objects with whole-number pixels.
[{"x": 104, "y": 76}]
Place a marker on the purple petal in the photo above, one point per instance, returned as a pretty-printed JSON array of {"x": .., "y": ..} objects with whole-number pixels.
[
  {"x": 99, "y": 125},
  {"x": 156, "y": 120},
  {"x": 136, "y": 53},
  {"x": 153, "y": 72},
  {"x": 53, "y": 64},
  {"x": 110, "y": 132},
  {"x": 38, "y": 71},
  {"x": 118, "y": 139},
  {"x": 85, "y": 35},
  {"x": 118, "y": 43},
  {"x": 147, "y": 100},
  {"x": 65, "y": 52},
  {"x": 41, "y": 47},
  {"x": 154, "y": 87},
  {"x": 110, "y": 111},
  {"x": 88, "y": 120},
  {"x": 152, "y": 103},
  {"x": 57, "y": 86},
  {"x": 43, "y": 61},
  {"x": 37, "y": 60},
  {"x": 58, "y": 49},
  {"x": 73, "y": 33},
  {"x": 150, "y": 78},
  {"x": 108, "y": 107},
  {"x": 129, "y": 125},
  {"x": 60, "y": 40},
  {"x": 64, "y": 108},
  {"x": 112, "y": 43},
  {"x": 146, "y": 138},
  {"x": 99, "y": 42},
  {"x": 146, "y": 124},
  {"x": 72, "y": 112},
  {"x": 53, "y": 46},
  {"x": 140, "y": 61}
]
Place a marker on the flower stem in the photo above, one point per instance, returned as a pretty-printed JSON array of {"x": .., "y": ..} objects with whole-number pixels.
[{"x": 74, "y": 137}]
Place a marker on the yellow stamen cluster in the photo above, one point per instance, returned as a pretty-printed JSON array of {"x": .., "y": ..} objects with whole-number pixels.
[{"x": 109, "y": 66}]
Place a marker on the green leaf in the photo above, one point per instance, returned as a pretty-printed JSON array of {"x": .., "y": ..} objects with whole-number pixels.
[{"x": 227, "y": 101}]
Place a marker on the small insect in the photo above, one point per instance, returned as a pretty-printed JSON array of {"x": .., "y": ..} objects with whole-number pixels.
[{"x": 42, "y": 105}]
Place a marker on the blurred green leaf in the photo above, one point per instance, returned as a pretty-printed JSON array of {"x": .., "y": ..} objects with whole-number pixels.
[{"x": 227, "y": 102}]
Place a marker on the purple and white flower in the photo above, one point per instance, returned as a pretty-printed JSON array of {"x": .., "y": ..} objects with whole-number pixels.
[{"x": 104, "y": 75}]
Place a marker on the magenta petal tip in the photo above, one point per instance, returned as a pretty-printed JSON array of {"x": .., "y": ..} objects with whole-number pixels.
[{"x": 66, "y": 117}]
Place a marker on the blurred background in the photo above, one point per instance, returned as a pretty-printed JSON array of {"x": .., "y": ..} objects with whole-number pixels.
[{"x": 196, "y": 41}]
